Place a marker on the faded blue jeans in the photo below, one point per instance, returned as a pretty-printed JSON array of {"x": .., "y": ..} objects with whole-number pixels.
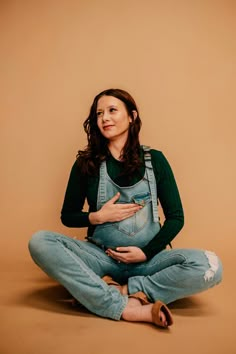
[{"x": 79, "y": 265}]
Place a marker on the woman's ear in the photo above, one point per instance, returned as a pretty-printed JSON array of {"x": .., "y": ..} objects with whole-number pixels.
[{"x": 135, "y": 114}]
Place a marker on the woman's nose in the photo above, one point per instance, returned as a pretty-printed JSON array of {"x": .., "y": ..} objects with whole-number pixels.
[{"x": 106, "y": 116}]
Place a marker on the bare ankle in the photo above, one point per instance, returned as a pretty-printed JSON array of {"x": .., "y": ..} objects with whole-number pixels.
[{"x": 135, "y": 311}]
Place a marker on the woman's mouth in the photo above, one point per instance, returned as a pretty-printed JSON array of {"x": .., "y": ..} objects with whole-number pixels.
[{"x": 107, "y": 126}]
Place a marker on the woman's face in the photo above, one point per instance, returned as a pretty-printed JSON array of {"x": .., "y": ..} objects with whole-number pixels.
[{"x": 112, "y": 118}]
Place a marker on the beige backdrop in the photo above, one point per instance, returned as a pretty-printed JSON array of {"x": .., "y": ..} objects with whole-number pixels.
[{"x": 174, "y": 57}]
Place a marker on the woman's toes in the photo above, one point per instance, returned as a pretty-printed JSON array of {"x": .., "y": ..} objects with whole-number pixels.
[
  {"x": 161, "y": 315},
  {"x": 163, "y": 319}
]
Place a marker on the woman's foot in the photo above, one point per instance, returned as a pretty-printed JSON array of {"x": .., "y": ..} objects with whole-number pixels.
[
  {"x": 139, "y": 309},
  {"x": 156, "y": 313}
]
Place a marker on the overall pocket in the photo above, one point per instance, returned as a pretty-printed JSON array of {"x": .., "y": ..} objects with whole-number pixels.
[{"x": 136, "y": 222}]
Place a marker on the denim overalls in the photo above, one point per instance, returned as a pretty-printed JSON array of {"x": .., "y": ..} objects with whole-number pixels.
[
  {"x": 138, "y": 229},
  {"x": 79, "y": 265}
]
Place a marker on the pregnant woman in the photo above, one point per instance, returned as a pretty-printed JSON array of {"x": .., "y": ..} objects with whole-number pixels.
[{"x": 124, "y": 269}]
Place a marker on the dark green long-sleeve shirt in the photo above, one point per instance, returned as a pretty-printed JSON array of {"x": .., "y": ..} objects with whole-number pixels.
[{"x": 81, "y": 188}]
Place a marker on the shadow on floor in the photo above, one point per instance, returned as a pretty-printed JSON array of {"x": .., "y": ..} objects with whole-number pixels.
[
  {"x": 192, "y": 306},
  {"x": 55, "y": 298}
]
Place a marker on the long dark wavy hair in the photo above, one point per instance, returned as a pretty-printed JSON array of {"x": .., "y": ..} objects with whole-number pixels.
[{"x": 97, "y": 150}]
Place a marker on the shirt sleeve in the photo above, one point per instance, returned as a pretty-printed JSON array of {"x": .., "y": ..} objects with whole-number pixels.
[
  {"x": 169, "y": 198},
  {"x": 72, "y": 213}
]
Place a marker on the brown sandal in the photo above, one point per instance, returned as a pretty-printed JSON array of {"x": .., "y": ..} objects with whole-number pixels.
[{"x": 157, "y": 308}]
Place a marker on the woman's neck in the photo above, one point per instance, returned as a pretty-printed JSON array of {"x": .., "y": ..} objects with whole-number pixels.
[{"x": 116, "y": 148}]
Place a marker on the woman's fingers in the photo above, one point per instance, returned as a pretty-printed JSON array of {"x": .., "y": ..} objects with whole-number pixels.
[
  {"x": 130, "y": 254},
  {"x": 128, "y": 210},
  {"x": 112, "y": 211},
  {"x": 114, "y": 199}
]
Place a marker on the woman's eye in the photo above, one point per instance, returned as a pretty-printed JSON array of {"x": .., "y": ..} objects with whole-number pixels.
[
  {"x": 112, "y": 110},
  {"x": 99, "y": 114}
]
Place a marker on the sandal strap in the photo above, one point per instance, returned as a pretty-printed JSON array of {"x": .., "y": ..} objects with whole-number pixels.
[
  {"x": 141, "y": 297},
  {"x": 110, "y": 281}
]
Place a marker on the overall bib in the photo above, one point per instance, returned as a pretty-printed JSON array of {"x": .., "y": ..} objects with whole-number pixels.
[{"x": 138, "y": 229}]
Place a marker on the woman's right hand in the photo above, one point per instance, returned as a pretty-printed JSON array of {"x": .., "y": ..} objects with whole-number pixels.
[{"x": 112, "y": 211}]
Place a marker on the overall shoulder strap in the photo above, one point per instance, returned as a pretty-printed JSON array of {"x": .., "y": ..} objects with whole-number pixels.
[
  {"x": 152, "y": 181},
  {"x": 101, "y": 196},
  {"x": 147, "y": 156}
]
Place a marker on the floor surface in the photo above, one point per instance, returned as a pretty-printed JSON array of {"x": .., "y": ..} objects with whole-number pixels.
[{"x": 36, "y": 318}]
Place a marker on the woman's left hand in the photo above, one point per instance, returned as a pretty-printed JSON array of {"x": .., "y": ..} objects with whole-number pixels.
[{"x": 129, "y": 254}]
